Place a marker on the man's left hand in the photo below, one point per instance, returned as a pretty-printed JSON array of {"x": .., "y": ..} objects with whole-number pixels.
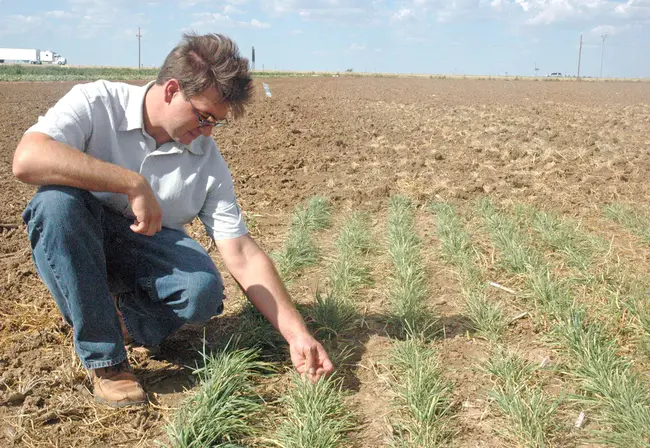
[{"x": 310, "y": 358}]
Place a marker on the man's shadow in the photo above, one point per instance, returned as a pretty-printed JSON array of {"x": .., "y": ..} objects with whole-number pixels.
[{"x": 345, "y": 344}]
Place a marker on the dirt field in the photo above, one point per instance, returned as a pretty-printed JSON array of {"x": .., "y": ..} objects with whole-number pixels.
[{"x": 570, "y": 147}]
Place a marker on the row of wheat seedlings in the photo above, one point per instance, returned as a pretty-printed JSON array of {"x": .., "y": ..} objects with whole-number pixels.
[
  {"x": 226, "y": 410},
  {"x": 618, "y": 397},
  {"x": 422, "y": 395},
  {"x": 315, "y": 414},
  {"x": 634, "y": 220},
  {"x": 516, "y": 392},
  {"x": 487, "y": 318},
  {"x": 628, "y": 307},
  {"x": 221, "y": 413},
  {"x": 335, "y": 310},
  {"x": 299, "y": 250},
  {"x": 408, "y": 283},
  {"x": 633, "y": 292}
]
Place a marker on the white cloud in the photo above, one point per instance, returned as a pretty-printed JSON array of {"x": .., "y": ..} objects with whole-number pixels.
[
  {"x": 184, "y": 4},
  {"x": 547, "y": 12},
  {"x": 58, "y": 14},
  {"x": 19, "y": 24},
  {"x": 402, "y": 14},
  {"x": 357, "y": 47},
  {"x": 257, "y": 24},
  {"x": 207, "y": 19},
  {"x": 604, "y": 29},
  {"x": 326, "y": 10},
  {"x": 230, "y": 9}
]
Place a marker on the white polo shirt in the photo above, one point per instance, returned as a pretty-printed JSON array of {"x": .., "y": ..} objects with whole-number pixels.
[{"x": 105, "y": 120}]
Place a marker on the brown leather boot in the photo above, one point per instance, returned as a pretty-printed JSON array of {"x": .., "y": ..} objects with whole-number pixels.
[{"x": 117, "y": 386}]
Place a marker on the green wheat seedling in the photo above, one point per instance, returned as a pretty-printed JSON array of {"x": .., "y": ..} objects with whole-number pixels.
[
  {"x": 521, "y": 257},
  {"x": 620, "y": 288},
  {"x": 606, "y": 379},
  {"x": 255, "y": 331},
  {"x": 529, "y": 411},
  {"x": 335, "y": 312},
  {"x": 487, "y": 318},
  {"x": 408, "y": 290},
  {"x": 609, "y": 383},
  {"x": 299, "y": 250},
  {"x": 422, "y": 397},
  {"x": 315, "y": 416},
  {"x": 631, "y": 219},
  {"x": 578, "y": 247},
  {"x": 506, "y": 236},
  {"x": 348, "y": 271},
  {"x": 315, "y": 215},
  {"x": 221, "y": 413},
  {"x": 331, "y": 316}
]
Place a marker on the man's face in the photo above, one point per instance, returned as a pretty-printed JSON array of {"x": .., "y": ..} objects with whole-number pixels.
[{"x": 185, "y": 114}]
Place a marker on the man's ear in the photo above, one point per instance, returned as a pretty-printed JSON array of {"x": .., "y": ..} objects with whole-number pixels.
[{"x": 171, "y": 88}]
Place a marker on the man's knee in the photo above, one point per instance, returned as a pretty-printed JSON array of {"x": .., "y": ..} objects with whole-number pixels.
[
  {"x": 57, "y": 205},
  {"x": 205, "y": 296}
]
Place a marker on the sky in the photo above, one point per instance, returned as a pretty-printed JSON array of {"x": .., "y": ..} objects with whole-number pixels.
[{"x": 479, "y": 37}]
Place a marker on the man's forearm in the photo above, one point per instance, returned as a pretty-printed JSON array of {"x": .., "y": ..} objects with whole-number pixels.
[
  {"x": 266, "y": 291},
  {"x": 40, "y": 160}
]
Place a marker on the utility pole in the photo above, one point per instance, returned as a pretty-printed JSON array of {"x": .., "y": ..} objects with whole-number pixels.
[
  {"x": 602, "y": 54},
  {"x": 253, "y": 58},
  {"x": 579, "y": 56},
  {"x": 536, "y": 69},
  {"x": 139, "y": 35}
]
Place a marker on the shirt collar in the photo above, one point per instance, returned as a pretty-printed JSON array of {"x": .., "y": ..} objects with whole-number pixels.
[
  {"x": 133, "y": 109},
  {"x": 134, "y": 118}
]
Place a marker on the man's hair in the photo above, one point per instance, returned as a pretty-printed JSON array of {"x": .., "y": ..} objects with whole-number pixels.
[{"x": 210, "y": 61}]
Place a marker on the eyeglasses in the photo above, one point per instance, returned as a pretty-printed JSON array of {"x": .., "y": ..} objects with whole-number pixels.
[{"x": 207, "y": 121}]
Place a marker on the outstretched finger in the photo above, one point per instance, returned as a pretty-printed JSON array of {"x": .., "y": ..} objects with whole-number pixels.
[{"x": 312, "y": 357}]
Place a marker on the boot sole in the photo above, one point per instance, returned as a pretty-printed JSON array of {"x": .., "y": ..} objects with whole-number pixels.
[{"x": 120, "y": 404}]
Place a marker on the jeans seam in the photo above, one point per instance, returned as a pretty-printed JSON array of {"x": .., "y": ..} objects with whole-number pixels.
[
  {"x": 63, "y": 290},
  {"x": 88, "y": 365},
  {"x": 102, "y": 364}
]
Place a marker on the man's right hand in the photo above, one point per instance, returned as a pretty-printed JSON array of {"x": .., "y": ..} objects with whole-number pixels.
[{"x": 147, "y": 211}]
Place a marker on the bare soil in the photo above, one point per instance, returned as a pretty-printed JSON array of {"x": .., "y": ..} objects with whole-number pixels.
[{"x": 565, "y": 146}]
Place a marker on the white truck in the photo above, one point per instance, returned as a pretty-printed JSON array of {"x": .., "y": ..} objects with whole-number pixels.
[
  {"x": 50, "y": 57},
  {"x": 30, "y": 56}
]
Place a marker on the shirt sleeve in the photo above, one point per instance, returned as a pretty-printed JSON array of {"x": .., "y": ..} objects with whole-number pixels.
[
  {"x": 221, "y": 214},
  {"x": 69, "y": 121}
]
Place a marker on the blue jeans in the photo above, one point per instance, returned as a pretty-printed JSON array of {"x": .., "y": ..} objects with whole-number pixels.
[{"x": 85, "y": 253}]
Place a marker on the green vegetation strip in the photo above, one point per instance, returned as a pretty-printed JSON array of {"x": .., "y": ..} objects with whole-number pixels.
[
  {"x": 566, "y": 238},
  {"x": 423, "y": 396},
  {"x": 609, "y": 385},
  {"x": 487, "y": 318},
  {"x": 408, "y": 290},
  {"x": 222, "y": 412},
  {"x": 299, "y": 250},
  {"x": 316, "y": 416},
  {"x": 56, "y": 73},
  {"x": 528, "y": 411},
  {"x": 625, "y": 294},
  {"x": 637, "y": 222},
  {"x": 519, "y": 396},
  {"x": 335, "y": 310}
]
